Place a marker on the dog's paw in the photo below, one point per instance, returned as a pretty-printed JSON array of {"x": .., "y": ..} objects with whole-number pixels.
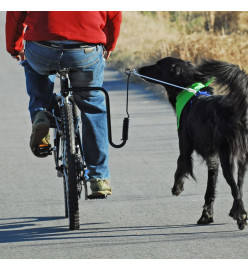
[
  {"x": 241, "y": 223},
  {"x": 205, "y": 220},
  {"x": 177, "y": 190},
  {"x": 234, "y": 214}
]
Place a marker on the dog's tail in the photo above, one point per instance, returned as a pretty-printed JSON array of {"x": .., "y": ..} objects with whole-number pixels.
[
  {"x": 235, "y": 83},
  {"x": 233, "y": 79}
]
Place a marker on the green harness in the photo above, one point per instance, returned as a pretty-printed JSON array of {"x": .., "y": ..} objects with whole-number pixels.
[{"x": 184, "y": 97}]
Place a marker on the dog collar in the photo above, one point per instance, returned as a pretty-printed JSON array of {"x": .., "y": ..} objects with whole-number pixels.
[{"x": 184, "y": 97}]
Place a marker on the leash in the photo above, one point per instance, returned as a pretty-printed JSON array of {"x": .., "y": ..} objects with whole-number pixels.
[{"x": 129, "y": 72}]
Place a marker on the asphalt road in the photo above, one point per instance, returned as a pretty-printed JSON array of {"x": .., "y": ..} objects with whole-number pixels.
[{"x": 140, "y": 220}]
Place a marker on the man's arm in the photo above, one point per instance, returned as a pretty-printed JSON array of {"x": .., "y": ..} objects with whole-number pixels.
[
  {"x": 14, "y": 30},
  {"x": 112, "y": 30}
]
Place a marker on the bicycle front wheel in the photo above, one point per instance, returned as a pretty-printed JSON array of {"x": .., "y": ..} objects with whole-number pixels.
[{"x": 70, "y": 167}]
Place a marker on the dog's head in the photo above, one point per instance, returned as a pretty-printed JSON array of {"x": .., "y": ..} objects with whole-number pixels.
[
  {"x": 169, "y": 69},
  {"x": 175, "y": 71}
]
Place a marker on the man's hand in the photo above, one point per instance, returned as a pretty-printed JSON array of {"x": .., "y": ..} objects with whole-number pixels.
[
  {"x": 20, "y": 56},
  {"x": 106, "y": 54}
]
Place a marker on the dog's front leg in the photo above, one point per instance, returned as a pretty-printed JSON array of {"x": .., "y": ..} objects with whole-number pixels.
[
  {"x": 207, "y": 213},
  {"x": 184, "y": 168}
]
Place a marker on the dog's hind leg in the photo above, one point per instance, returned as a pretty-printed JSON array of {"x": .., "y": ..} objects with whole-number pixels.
[
  {"x": 207, "y": 213},
  {"x": 184, "y": 167},
  {"x": 242, "y": 167},
  {"x": 239, "y": 212}
]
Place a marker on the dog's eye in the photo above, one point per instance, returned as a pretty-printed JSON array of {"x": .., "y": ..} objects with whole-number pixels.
[{"x": 175, "y": 70}]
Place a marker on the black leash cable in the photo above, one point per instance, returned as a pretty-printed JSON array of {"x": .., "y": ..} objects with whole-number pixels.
[
  {"x": 128, "y": 72},
  {"x": 126, "y": 119}
]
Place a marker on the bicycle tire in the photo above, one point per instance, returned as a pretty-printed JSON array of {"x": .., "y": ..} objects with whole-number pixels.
[
  {"x": 65, "y": 197},
  {"x": 58, "y": 144},
  {"x": 70, "y": 177}
]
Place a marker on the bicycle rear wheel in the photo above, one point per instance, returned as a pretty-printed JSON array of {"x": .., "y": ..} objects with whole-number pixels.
[
  {"x": 70, "y": 167},
  {"x": 59, "y": 143}
]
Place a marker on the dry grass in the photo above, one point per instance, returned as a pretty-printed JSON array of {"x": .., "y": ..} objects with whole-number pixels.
[{"x": 145, "y": 39}]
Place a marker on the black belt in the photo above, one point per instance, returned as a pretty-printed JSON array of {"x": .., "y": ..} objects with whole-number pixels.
[{"x": 66, "y": 46}]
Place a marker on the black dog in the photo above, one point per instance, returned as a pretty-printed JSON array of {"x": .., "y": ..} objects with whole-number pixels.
[{"x": 215, "y": 126}]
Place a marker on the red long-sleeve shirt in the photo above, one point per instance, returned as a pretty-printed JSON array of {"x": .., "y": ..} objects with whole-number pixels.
[{"x": 86, "y": 26}]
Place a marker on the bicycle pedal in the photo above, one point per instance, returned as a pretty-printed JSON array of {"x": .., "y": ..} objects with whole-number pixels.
[
  {"x": 43, "y": 150},
  {"x": 97, "y": 196}
]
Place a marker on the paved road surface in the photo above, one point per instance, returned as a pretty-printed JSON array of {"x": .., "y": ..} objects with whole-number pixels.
[{"x": 140, "y": 220}]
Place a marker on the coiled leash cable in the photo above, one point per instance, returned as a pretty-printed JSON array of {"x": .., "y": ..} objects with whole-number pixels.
[
  {"x": 126, "y": 119},
  {"x": 125, "y": 126}
]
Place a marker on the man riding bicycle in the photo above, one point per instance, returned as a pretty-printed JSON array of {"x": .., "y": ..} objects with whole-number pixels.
[{"x": 79, "y": 40}]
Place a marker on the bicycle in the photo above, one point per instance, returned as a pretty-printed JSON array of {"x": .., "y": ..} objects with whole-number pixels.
[{"x": 67, "y": 149}]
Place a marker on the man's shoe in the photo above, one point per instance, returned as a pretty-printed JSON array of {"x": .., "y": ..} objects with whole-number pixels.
[
  {"x": 100, "y": 187},
  {"x": 40, "y": 133}
]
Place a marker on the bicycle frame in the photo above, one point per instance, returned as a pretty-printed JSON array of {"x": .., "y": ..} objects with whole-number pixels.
[{"x": 65, "y": 97}]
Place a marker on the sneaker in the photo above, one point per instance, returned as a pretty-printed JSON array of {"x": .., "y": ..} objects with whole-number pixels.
[
  {"x": 100, "y": 187},
  {"x": 40, "y": 133}
]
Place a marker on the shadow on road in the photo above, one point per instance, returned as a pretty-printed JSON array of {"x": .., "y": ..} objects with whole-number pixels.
[{"x": 30, "y": 229}]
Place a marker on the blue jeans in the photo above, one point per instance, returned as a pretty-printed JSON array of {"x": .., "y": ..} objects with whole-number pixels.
[{"x": 86, "y": 69}]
